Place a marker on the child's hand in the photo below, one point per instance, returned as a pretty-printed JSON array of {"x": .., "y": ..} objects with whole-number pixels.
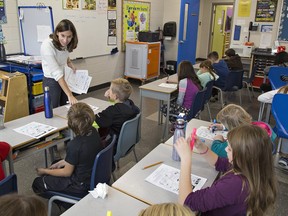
[
  {"x": 219, "y": 137},
  {"x": 40, "y": 171},
  {"x": 183, "y": 148},
  {"x": 217, "y": 126}
]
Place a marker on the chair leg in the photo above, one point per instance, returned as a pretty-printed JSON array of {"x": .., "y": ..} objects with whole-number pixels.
[
  {"x": 240, "y": 97},
  {"x": 64, "y": 199},
  {"x": 279, "y": 145},
  {"x": 113, "y": 177},
  {"x": 268, "y": 111},
  {"x": 209, "y": 112},
  {"x": 261, "y": 110},
  {"x": 221, "y": 98},
  {"x": 135, "y": 155},
  {"x": 247, "y": 86},
  {"x": 252, "y": 89}
]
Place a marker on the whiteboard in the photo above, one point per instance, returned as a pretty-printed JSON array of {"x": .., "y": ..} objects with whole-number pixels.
[{"x": 91, "y": 26}]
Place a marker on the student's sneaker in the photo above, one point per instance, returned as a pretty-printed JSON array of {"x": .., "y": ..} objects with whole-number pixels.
[{"x": 283, "y": 162}]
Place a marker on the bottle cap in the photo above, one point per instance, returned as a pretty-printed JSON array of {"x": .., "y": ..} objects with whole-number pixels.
[
  {"x": 180, "y": 122},
  {"x": 46, "y": 88}
]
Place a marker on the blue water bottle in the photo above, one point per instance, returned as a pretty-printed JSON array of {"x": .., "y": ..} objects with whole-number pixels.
[
  {"x": 179, "y": 132},
  {"x": 47, "y": 103}
]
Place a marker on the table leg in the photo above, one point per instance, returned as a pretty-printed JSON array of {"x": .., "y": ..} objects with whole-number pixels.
[
  {"x": 261, "y": 109},
  {"x": 10, "y": 162},
  {"x": 165, "y": 129},
  {"x": 140, "y": 123},
  {"x": 268, "y": 111}
]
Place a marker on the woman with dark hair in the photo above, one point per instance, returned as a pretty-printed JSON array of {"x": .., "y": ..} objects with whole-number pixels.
[{"x": 55, "y": 56}]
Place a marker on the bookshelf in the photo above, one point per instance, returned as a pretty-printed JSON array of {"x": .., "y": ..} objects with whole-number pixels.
[{"x": 13, "y": 95}]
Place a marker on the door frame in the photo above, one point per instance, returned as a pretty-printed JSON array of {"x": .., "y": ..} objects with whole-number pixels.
[{"x": 213, "y": 20}]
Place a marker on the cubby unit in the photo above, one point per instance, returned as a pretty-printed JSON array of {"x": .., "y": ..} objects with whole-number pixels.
[{"x": 13, "y": 95}]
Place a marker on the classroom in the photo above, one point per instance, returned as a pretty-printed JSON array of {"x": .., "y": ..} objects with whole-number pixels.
[{"x": 148, "y": 43}]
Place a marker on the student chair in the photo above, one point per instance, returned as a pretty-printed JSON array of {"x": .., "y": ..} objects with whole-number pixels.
[
  {"x": 208, "y": 95},
  {"x": 8, "y": 185},
  {"x": 275, "y": 76},
  {"x": 128, "y": 138},
  {"x": 279, "y": 111},
  {"x": 234, "y": 82},
  {"x": 197, "y": 104},
  {"x": 101, "y": 173},
  {"x": 248, "y": 82}
]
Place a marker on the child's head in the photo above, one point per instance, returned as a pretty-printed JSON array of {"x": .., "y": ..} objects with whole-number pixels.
[
  {"x": 121, "y": 89},
  {"x": 186, "y": 70},
  {"x": 283, "y": 90},
  {"x": 250, "y": 152},
  {"x": 213, "y": 56},
  {"x": 232, "y": 116},
  {"x": 166, "y": 209},
  {"x": 230, "y": 52},
  {"x": 14, "y": 205},
  {"x": 80, "y": 118},
  {"x": 206, "y": 66}
]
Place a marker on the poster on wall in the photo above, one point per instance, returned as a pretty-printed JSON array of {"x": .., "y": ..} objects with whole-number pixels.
[
  {"x": 3, "y": 18},
  {"x": 282, "y": 30},
  {"x": 266, "y": 10},
  {"x": 135, "y": 18},
  {"x": 244, "y": 8}
]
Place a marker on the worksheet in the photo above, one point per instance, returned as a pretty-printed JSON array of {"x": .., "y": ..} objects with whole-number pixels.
[
  {"x": 168, "y": 85},
  {"x": 167, "y": 177},
  {"x": 205, "y": 133},
  {"x": 79, "y": 81},
  {"x": 35, "y": 129}
]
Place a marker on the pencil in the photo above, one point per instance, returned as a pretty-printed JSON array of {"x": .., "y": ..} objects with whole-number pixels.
[{"x": 151, "y": 165}]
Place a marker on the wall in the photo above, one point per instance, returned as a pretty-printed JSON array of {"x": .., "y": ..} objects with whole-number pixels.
[
  {"x": 255, "y": 36},
  {"x": 104, "y": 68}
]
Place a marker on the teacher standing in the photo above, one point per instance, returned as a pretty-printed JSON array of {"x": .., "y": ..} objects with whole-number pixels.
[{"x": 55, "y": 56}]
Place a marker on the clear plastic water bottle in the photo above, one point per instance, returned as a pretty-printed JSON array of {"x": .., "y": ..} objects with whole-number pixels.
[
  {"x": 179, "y": 132},
  {"x": 47, "y": 103}
]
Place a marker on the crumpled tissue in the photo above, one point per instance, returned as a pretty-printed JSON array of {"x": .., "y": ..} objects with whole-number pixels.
[{"x": 101, "y": 190}]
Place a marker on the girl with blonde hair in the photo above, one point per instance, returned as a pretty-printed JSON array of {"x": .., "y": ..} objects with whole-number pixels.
[
  {"x": 248, "y": 186},
  {"x": 167, "y": 209}
]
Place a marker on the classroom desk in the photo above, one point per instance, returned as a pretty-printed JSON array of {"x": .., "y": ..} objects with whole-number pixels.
[
  {"x": 133, "y": 182},
  {"x": 102, "y": 104},
  {"x": 19, "y": 142},
  {"x": 119, "y": 203},
  {"x": 153, "y": 90},
  {"x": 193, "y": 123}
]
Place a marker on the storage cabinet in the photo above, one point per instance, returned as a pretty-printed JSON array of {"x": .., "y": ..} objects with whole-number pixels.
[
  {"x": 34, "y": 76},
  {"x": 13, "y": 95},
  {"x": 260, "y": 60},
  {"x": 142, "y": 60}
]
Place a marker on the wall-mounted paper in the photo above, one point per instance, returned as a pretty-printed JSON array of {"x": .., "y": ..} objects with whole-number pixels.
[{"x": 265, "y": 40}]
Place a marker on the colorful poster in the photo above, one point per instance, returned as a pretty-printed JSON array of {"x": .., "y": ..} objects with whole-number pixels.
[
  {"x": 71, "y": 4},
  {"x": 266, "y": 10},
  {"x": 136, "y": 17},
  {"x": 89, "y": 4},
  {"x": 244, "y": 8},
  {"x": 3, "y": 18}
]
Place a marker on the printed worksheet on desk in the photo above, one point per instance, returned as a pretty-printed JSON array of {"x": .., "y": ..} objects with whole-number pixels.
[
  {"x": 167, "y": 177},
  {"x": 204, "y": 132}
]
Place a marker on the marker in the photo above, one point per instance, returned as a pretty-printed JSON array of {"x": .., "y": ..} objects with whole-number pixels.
[
  {"x": 213, "y": 129},
  {"x": 193, "y": 134},
  {"x": 151, "y": 165}
]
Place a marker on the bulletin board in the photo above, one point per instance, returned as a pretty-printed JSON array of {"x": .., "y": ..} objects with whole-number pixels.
[
  {"x": 266, "y": 10},
  {"x": 91, "y": 24},
  {"x": 283, "y": 30},
  {"x": 135, "y": 18}
]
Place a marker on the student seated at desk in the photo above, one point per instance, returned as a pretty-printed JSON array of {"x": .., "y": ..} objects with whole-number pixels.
[
  {"x": 248, "y": 185},
  {"x": 188, "y": 87},
  {"x": 233, "y": 60},
  {"x": 4, "y": 151},
  {"x": 206, "y": 73},
  {"x": 110, "y": 120},
  {"x": 230, "y": 117},
  {"x": 72, "y": 175},
  {"x": 14, "y": 205}
]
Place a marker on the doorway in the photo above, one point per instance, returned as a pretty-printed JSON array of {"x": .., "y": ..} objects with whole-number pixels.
[{"x": 222, "y": 15}]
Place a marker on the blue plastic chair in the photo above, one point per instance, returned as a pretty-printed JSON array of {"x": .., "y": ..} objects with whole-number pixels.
[
  {"x": 279, "y": 111},
  {"x": 197, "y": 105},
  {"x": 248, "y": 82},
  {"x": 101, "y": 173},
  {"x": 129, "y": 136},
  {"x": 8, "y": 185},
  {"x": 234, "y": 82},
  {"x": 208, "y": 95},
  {"x": 275, "y": 74}
]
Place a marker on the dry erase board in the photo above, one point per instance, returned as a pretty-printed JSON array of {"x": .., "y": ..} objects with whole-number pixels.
[
  {"x": 283, "y": 30},
  {"x": 91, "y": 25}
]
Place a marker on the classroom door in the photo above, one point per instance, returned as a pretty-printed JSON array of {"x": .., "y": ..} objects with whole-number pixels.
[
  {"x": 221, "y": 28},
  {"x": 188, "y": 29}
]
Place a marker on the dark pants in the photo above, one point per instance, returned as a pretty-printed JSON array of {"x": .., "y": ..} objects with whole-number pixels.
[{"x": 58, "y": 96}]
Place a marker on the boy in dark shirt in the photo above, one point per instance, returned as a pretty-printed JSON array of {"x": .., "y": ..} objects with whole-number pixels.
[
  {"x": 233, "y": 60},
  {"x": 114, "y": 116},
  {"x": 72, "y": 175}
]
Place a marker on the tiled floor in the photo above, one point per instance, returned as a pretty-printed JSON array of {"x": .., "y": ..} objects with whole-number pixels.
[{"x": 151, "y": 133}]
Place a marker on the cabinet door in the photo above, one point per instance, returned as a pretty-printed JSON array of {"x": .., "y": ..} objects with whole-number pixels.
[{"x": 153, "y": 63}]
